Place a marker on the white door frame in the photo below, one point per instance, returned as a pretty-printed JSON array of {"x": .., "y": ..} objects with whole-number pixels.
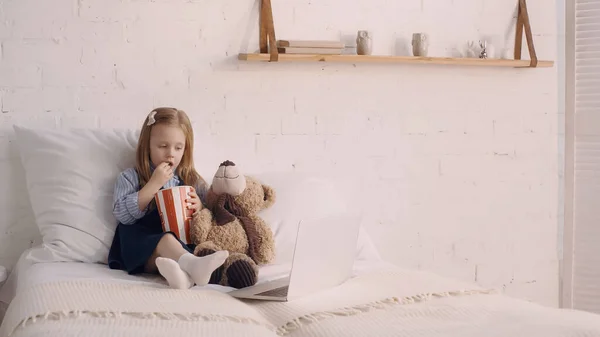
[{"x": 566, "y": 284}]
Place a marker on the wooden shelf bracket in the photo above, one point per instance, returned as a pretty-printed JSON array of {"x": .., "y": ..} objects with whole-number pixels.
[
  {"x": 523, "y": 23},
  {"x": 267, "y": 41}
]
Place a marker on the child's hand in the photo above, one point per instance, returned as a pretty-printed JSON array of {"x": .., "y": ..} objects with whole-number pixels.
[
  {"x": 194, "y": 201},
  {"x": 161, "y": 175}
]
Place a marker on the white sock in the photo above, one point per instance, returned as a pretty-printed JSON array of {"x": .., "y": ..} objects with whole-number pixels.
[
  {"x": 172, "y": 272},
  {"x": 200, "y": 268}
]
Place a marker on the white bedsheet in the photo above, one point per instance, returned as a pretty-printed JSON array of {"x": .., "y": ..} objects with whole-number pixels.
[
  {"x": 71, "y": 299},
  {"x": 65, "y": 271},
  {"x": 26, "y": 275},
  {"x": 383, "y": 303}
]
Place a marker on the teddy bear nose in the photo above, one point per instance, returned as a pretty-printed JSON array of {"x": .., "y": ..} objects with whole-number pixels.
[
  {"x": 227, "y": 163},
  {"x": 228, "y": 180}
]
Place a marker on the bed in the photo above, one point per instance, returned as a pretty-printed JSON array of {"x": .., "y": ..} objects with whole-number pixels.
[
  {"x": 64, "y": 288},
  {"x": 75, "y": 299}
]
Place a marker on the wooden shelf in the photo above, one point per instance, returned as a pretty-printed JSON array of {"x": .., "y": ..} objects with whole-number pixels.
[
  {"x": 268, "y": 50},
  {"x": 264, "y": 57}
]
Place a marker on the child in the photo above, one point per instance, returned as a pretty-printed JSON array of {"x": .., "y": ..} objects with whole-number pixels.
[{"x": 164, "y": 158}]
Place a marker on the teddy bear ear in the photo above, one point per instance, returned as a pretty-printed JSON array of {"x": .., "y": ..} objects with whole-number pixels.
[{"x": 269, "y": 196}]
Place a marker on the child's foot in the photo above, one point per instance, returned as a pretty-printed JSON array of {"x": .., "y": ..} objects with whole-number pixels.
[
  {"x": 172, "y": 272},
  {"x": 200, "y": 268}
]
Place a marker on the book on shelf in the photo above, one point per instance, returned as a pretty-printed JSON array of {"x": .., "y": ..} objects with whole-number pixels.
[
  {"x": 308, "y": 50},
  {"x": 310, "y": 44}
]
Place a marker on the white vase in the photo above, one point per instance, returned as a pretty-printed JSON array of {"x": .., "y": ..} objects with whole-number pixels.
[
  {"x": 364, "y": 43},
  {"x": 420, "y": 44}
]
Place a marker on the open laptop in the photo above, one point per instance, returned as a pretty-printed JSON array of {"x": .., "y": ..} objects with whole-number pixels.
[{"x": 324, "y": 255}]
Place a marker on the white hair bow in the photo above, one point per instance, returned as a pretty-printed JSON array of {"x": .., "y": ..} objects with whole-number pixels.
[{"x": 151, "y": 119}]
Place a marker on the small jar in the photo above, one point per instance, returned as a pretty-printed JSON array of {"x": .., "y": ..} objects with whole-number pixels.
[
  {"x": 364, "y": 43},
  {"x": 420, "y": 44}
]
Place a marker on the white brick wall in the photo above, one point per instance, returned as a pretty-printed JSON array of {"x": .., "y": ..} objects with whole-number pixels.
[{"x": 458, "y": 165}]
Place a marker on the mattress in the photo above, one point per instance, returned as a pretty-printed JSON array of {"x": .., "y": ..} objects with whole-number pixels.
[
  {"x": 66, "y": 271},
  {"x": 39, "y": 273},
  {"x": 27, "y": 275},
  {"x": 74, "y": 299}
]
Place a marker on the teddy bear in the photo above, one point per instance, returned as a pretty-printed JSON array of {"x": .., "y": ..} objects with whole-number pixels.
[{"x": 229, "y": 221}]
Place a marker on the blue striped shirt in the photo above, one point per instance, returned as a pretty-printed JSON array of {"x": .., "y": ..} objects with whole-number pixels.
[{"x": 125, "y": 207}]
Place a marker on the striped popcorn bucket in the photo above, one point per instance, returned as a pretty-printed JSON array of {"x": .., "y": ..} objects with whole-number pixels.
[{"x": 174, "y": 215}]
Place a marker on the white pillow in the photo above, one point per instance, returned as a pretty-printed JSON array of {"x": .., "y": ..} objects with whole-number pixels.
[
  {"x": 305, "y": 195},
  {"x": 70, "y": 176}
]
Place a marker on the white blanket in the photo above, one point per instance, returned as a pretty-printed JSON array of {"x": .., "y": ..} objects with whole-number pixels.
[{"x": 378, "y": 303}]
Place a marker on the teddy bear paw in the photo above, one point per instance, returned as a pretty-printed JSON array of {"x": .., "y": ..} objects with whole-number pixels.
[{"x": 241, "y": 274}]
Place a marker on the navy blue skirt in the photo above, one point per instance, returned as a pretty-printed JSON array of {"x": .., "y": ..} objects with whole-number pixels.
[{"x": 134, "y": 244}]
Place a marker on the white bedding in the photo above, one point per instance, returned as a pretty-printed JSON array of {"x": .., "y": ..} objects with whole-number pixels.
[
  {"x": 68, "y": 271},
  {"x": 74, "y": 299},
  {"x": 27, "y": 275},
  {"x": 31, "y": 275}
]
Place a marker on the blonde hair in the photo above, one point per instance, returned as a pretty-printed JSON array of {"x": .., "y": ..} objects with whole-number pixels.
[{"x": 185, "y": 170}]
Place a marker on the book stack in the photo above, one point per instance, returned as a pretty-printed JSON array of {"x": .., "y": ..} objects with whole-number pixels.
[{"x": 310, "y": 47}]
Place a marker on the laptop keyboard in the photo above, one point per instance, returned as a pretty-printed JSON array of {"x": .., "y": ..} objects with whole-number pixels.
[{"x": 277, "y": 292}]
